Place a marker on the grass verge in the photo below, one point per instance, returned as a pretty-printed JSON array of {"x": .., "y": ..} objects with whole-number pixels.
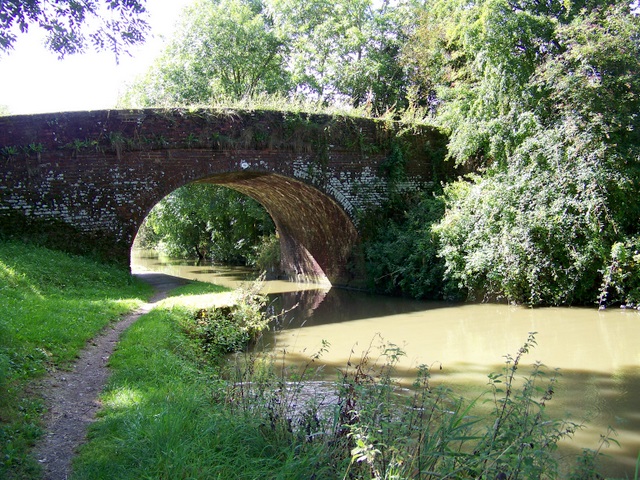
[
  {"x": 52, "y": 304},
  {"x": 174, "y": 409},
  {"x": 164, "y": 414}
]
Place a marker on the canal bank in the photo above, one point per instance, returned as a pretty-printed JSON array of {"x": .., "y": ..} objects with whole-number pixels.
[{"x": 596, "y": 351}]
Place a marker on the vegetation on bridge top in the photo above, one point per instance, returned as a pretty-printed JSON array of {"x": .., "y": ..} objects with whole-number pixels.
[{"x": 221, "y": 128}]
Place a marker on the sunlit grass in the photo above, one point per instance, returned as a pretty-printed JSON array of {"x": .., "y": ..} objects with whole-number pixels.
[
  {"x": 52, "y": 304},
  {"x": 303, "y": 105},
  {"x": 176, "y": 428},
  {"x": 197, "y": 295},
  {"x": 122, "y": 398}
]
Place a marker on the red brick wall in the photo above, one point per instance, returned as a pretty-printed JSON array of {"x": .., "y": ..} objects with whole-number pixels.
[{"x": 101, "y": 172}]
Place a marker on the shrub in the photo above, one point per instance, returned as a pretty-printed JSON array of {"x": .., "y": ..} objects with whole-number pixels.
[
  {"x": 221, "y": 330},
  {"x": 401, "y": 251},
  {"x": 267, "y": 255},
  {"x": 537, "y": 232},
  {"x": 621, "y": 281}
]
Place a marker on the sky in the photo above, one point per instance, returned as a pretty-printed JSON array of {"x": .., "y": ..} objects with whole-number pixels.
[{"x": 33, "y": 80}]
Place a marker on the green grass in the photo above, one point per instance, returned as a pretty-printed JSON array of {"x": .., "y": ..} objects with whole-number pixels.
[
  {"x": 162, "y": 419},
  {"x": 51, "y": 304},
  {"x": 166, "y": 415}
]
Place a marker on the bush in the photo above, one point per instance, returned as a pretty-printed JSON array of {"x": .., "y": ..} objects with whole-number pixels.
[
  {"x": 621, "y": 280},
  {"x": 401, "y": 251},
  {"x": 537, "y": 232},
  {"x": 267, "y": 255},
  {"x": 222, "y": 330},
  {"x": 373, "y": 429}
]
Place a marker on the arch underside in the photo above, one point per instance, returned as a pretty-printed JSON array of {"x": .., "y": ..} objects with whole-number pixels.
[{"x": 316, "y": 235}]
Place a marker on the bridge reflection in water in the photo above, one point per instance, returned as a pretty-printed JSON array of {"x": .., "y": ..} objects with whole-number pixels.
[{"x": 597, "y": 351}]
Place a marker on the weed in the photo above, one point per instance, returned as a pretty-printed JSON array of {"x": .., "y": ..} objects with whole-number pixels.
[
  {"x": 227, "y": 329},
  {"x": 33, "y": 149},
  {"x": 192, "y": 140},
  {"x": 371, "y": 429},
  {"x": 78, "y": 145},
  {"x": 8, "y": 152},
  {"x": 118, "y": 142}
]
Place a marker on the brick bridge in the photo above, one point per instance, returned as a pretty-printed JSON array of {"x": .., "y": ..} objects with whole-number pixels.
[{"x": 87, "y": 180}]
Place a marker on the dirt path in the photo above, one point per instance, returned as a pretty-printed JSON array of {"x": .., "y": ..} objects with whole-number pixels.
[{"x": 71, "y": 397}]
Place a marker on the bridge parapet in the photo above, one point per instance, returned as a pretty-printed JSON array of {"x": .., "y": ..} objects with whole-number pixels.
[{"x": 99, "y": 173}]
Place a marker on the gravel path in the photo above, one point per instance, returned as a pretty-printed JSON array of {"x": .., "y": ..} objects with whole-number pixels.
[{"x": 71, "y": 397}]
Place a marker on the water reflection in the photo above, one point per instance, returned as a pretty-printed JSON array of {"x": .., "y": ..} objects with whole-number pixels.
[
  {"x": 227, "y": 276},
  {"x": 597, "y": 351}
]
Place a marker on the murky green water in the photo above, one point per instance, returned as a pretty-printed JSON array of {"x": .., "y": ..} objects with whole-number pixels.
[{"x": 597, "y": 352}]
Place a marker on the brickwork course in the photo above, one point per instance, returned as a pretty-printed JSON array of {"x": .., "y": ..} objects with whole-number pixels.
[{"x": 89, "y": 179}]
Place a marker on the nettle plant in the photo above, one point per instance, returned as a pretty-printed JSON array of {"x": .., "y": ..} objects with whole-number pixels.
[{"x": 227, "y": 329}]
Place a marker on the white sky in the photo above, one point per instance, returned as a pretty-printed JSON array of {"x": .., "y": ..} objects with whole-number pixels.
[{"x": 33, "y": 80}]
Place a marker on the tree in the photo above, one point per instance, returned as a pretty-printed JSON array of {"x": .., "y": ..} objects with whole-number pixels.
[
  {"x": 543, "y": 96},
  {"x": 222, "y": 49},
  {"x": 345, "y": 52},
  {"x": 208, "y": 221},
  {"x": 348, "y": 51},
  {"x": 112, "y": 24}
]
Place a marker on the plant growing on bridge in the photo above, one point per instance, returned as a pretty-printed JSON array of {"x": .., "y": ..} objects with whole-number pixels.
[
  {"x": 78, "y": 145},
  {"x": 8, "y": 151}
]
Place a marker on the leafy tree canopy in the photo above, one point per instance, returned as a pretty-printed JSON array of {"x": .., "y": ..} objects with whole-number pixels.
[
  {"x": 227, "y": 48},
  {"x": 71, "y": 25},
  {"x": 497, "y": 68},
  {"x": 345, "y": 51},
  {"x": 543, "y": 96},
  {"x": 208, "y": 221},
  {"x": 348, "y": 51}
]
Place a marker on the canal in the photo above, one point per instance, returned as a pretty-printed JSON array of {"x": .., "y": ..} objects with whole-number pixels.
[{"x": 597, "y": 352}]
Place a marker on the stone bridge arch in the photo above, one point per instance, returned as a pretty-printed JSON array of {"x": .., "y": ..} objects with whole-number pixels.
[
  {"x": 88, "y": 179},
  {"x": 316, "y": 235}
]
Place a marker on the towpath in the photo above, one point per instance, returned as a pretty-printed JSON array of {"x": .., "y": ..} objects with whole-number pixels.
[{"x": 71, "y": 397}]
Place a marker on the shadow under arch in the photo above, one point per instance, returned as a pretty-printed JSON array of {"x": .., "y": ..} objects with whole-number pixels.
[{"x": 316, "y": 235}]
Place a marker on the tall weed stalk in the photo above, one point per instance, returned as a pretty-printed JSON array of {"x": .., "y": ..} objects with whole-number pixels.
[{"x": 369, "y": 427}]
